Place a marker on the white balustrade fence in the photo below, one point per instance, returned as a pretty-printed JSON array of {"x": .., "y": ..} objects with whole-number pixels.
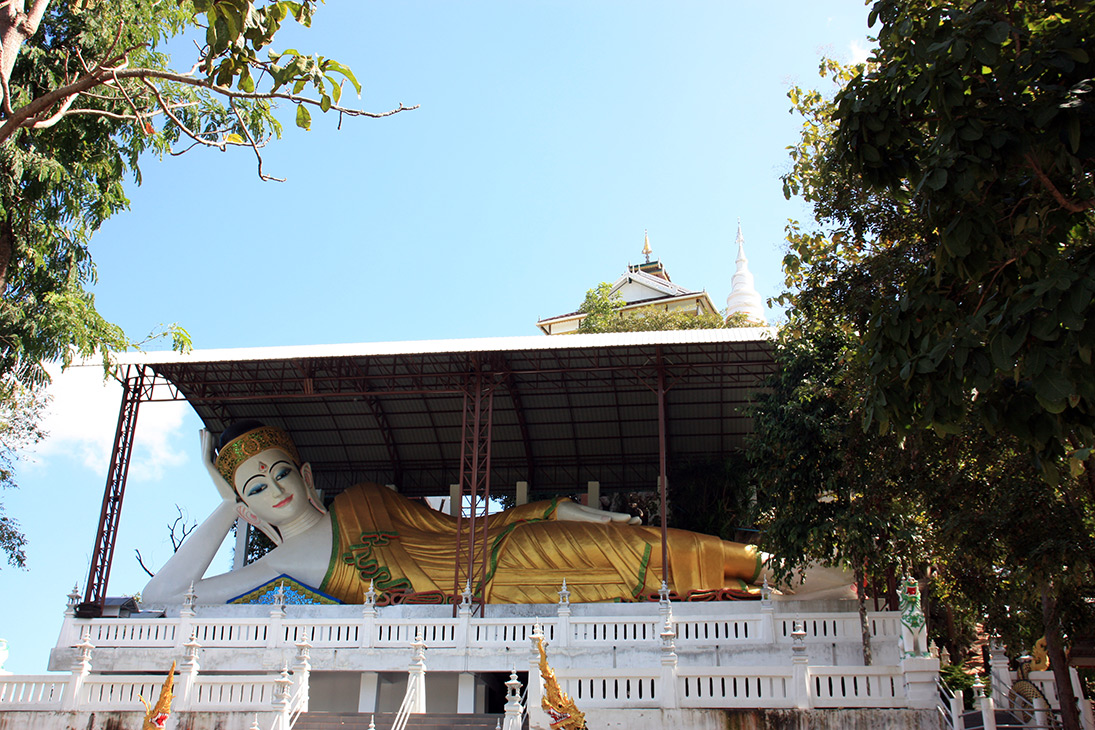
[
  {"x": 464, "y": 632},
  {"x": 31, "y": 692},
  {"x": 761, "y": 658}
]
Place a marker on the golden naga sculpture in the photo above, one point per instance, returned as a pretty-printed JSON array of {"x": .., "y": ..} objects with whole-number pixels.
[
  {"x": 155, "y": 716},
  {"x": 564, "y": 714},
  {"x": 1041, "y": 656}
]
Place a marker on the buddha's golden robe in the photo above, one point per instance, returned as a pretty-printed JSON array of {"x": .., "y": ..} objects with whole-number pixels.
[{"x": 399, "y": 544}]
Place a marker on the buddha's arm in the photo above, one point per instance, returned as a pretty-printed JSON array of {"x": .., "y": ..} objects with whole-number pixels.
[{"x": 192, "y": 559}]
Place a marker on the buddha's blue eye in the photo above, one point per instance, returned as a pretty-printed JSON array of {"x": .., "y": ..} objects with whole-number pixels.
[
  {"x": 283, "y": 473},
  {"x": 255, "y": 489}
]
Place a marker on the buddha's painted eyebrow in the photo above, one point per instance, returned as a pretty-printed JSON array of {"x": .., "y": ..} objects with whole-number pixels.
[{"x": 282, "y": 461}]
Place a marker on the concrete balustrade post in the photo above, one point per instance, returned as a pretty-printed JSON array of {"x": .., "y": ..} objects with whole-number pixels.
[
  {"x": 80, "y": 669},
  {"x": 958, "y": 711},
  {"x": 1001, "y": 674},
  {"x": 767, "y": 614},
  {"x": 669, "y": 664},
  {"x": 537, "y": 718},
  {"x": 921, "y": 674},
  {"x": 302, "y": 670},
  {"x": 800, "y": 679},
  {"x": 463, "y": 618},
  {"x": 185, "y": 629},
  {"x": 416, "y": 675},
  {"x": 368, "y": 617},
  {"x": 283, "y": 700},
  {"x": 986, "y": 705},
  {"x": 513, "y": 709},
  {"x": 562, "y": 625},
  {"x": 1087, "y": 717},
  {"x": 275, "y": 627},
  {"x": 186, "y": 695}
]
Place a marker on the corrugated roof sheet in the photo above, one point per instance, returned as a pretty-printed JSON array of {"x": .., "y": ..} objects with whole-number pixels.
[{"x": 566, "y": 409}]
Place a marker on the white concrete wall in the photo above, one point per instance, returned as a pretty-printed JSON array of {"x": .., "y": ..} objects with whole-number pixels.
[{"x": 333, "y": 691}]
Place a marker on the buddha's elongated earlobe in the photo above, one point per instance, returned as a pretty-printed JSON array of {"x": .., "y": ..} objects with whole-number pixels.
[
  {"x": 310, "y": 488},
  {"x": 251, "y": 518}
]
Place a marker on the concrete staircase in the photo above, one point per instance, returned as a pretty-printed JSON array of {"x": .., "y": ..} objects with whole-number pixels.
[{"x": 384, "y": 721}]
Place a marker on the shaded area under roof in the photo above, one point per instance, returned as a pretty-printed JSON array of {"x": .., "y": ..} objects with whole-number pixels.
[{"x": 564, "y": 410}]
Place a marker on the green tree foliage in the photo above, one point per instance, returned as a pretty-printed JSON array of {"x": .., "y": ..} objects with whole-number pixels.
[
  {"x": 20, "y": 412},
  {"x": 602, "y": 308},
  {"x": 951, "y": 182},
  {"x": 978, "y": 118},
  {"x": 85, "y": 92}
]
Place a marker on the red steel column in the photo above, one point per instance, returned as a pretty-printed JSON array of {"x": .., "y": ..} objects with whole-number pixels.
[
  {"x": 475, "y": 449},
  {"x": 103, "y": 554},
  {"x": 662, "y": 485}
]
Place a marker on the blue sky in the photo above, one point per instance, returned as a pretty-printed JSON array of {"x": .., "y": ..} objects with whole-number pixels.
[{"x": 550, "y": 136}]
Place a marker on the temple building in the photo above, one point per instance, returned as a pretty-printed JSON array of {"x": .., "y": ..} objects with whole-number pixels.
[{"x": 646, "y": 287}]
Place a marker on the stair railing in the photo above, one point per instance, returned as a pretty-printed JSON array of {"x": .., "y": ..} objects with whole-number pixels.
[{"x": 414, "y": 701}]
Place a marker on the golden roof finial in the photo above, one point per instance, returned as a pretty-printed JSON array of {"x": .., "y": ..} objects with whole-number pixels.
[{"x": 646, "y": 245}]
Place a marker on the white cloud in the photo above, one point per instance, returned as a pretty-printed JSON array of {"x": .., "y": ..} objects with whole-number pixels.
[
  {"x": 859, "y": 52},
  {"x": 83, "y": 415}
]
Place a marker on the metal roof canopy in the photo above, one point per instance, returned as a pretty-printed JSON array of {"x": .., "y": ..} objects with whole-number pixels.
[
  {"x": 555, "y": 412},
  {"x": 567, "y": 409}
]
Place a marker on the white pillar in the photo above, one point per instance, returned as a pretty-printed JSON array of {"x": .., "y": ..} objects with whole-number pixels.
[
  {"x": 283, "y": 700},
  {"x": 302, "y": 670},
  {"x": 465, "y": 693},
  {"x": 188, "y": 672},
  {"x": 522, "y": 493},
  {"x": 1087, "y": 718},
  {"x": 988, "y": 708},
  {"x": 920, "y": 675},
  {"x": 370, "y": 686},
  {"x": 537, "y": 718},
  {"x": 80, "y": 669},
  {"x": 416, "y": 676},
  {"x": 800, "y": 679},
  {"x": 1001, "y": 675},
  {"x": 593, "y": 494},
  {"x": 562, "y": 626},
  {"x": 958, "y": 711},
  {"x": 454, "y": 500},
  {"x": 241, "y": 544},
  {"x": 514, "y": 711},
  {"x": 669, "y": 664}
]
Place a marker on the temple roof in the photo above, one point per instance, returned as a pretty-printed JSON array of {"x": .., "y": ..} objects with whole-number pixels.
[{"x": 566, "y": 409}]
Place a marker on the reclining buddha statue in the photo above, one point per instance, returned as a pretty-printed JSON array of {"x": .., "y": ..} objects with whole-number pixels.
[{"x": 373, "y": 536}]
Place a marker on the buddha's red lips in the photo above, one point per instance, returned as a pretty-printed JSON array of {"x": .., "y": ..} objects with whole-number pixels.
[{"x": 284, "y": 502}]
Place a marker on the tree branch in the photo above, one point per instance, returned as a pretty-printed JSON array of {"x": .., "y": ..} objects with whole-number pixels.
[
  {"x": 262, "y": 176},
  {"x": 1064, "y": 202},
  {"x": 28, "y": 115},
  {"x": 140, "y": 561}
]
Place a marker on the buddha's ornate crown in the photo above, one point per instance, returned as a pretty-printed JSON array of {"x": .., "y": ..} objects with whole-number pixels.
[{"x": 243, "y": 447}]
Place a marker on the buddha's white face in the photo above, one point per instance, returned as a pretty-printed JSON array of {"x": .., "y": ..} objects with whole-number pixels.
[{"x": 272, "y": 487}]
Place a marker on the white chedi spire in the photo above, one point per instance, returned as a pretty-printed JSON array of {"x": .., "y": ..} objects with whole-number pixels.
[{"x": 743, "y": 295}]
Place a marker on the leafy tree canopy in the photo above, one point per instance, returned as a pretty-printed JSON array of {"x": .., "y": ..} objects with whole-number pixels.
[
  {"x": 977, "y": 119},
  {"x": 85, "y": 91},
  {"x": 602, "y": 308}
]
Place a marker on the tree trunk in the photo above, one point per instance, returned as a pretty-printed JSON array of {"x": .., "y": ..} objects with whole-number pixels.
[
  {"x": 1070, "y": 714},
  {"x": 864, "y": 625},
  {"x": 7, "y": 245}
]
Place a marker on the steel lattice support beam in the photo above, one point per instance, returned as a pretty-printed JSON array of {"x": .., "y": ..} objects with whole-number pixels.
[
  {"x": 133, "y": 391},
  {"x": 473, "y": 547}
]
